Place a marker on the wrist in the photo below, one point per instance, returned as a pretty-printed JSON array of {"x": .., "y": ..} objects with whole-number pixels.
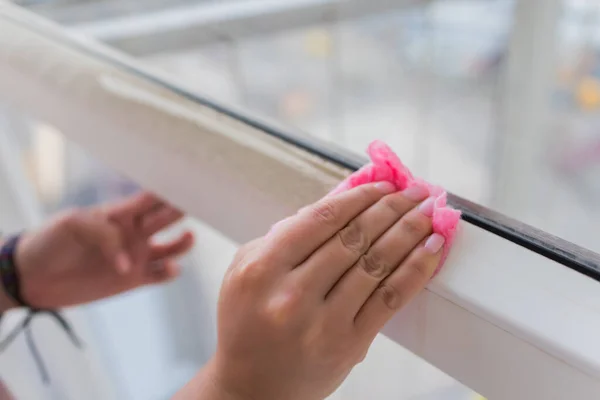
[
  {"x": 208, "y": 385},
  {"x": 31, "y": 284},
  {"x": 19, "y": 282}
]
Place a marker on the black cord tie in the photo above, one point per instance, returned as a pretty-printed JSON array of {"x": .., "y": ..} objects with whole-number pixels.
[{"x": 9, "y": 277}]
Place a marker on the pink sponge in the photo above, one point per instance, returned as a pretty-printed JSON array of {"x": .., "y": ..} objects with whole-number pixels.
[{"x": 386, "y": 166}]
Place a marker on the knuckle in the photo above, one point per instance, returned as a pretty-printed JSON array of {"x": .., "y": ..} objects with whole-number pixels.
[
  {"x": 390, "y": 296},
  {"x": 367, "y": 191},
  {"x": 373, "y": 264},
  {"x": 413, "y": 226},
  {"x": 248, "y": 247},
  {"x": 284, "y": 307},
  {"x": 325, "y": 212},
  {"x": 247, "y": 272},
  {"x": 354, "y": 238},
  {"x": 394, "y": 203},
  {"x": 421, "y": 268}
]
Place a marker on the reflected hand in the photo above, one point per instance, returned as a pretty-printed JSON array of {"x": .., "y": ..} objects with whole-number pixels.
[
  {"x": 89, "y": 254},
  {"x": 300, "y": 307}
]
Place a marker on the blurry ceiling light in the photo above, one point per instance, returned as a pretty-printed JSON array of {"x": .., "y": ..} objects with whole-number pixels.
[
  {"x": 49, "y": 152},
  {"x": 318, "y": 43}
]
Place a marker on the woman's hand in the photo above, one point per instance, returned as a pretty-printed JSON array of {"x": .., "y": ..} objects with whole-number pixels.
[
  {"x": 300, "y": 307},
  {"x": 89, "y": 254}
]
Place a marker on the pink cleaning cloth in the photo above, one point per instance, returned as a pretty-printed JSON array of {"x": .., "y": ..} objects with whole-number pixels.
[{"x": 386, "y": 166}]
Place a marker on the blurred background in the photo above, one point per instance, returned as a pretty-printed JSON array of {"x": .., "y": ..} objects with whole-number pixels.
[{"x": 496, "y": 100}]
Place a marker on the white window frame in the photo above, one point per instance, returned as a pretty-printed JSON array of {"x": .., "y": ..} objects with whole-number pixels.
[
  {"x": 504, "y": 320},
  {"x": 183, "y": 26}
]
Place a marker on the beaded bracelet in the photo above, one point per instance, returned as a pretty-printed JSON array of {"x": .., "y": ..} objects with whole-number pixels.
[
  {"x": 9, "y": 279},
  {"x": 9, "y": 274}
]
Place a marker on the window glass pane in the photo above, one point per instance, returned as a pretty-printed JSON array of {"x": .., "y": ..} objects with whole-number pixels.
[{"x": 491, "y": 99}]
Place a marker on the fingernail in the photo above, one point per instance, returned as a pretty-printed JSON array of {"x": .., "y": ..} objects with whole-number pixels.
[
  {"x": 385, "y": 187},
  {"x": 416, "y": 193},
  {"x": 123, "y": 263},
  {"x": 426, "y": 207},
  {"x": 435, "y": 243}
]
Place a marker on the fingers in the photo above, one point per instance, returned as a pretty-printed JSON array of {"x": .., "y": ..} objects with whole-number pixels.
[
  {"x": 172, "y": 249},
  {"x": 159, "y": 219},
  {"x": 409, "y": 279},
  {"x": 101, "y": 233},
  {"x": 162, "y": 266},
  {"x": 295, "y": 240},
  {"x": 382, "y": 259},
  {"x": 162, "y": 271},
  {"x": 148, "y": 213},
  {"x": 137, "y": 204},
  {"x": 347, "y": 247}
]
